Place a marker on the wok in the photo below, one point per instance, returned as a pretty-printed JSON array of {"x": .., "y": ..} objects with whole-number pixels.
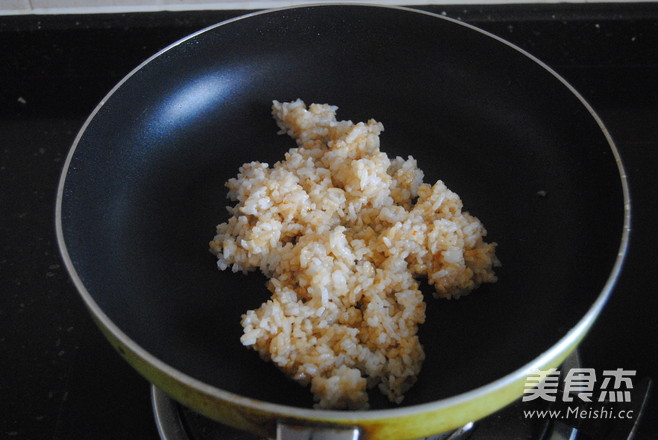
[{"x": 143, "y": 188}]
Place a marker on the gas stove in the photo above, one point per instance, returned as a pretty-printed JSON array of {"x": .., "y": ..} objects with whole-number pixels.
[
  {"x": 62, "y": 380},
  {"x": 176, "y": 422}
]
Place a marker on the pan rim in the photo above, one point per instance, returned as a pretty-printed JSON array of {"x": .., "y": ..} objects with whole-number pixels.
[{"x": 568, "y": 341}]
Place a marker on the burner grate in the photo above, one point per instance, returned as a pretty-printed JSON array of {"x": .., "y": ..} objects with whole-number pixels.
[{"x": 176, "y": 422}]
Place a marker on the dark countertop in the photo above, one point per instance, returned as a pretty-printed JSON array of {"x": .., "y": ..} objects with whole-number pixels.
[{"x": 61, "y": 380}]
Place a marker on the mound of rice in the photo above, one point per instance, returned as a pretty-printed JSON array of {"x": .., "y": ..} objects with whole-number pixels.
[{"x": 342, "y": 232}]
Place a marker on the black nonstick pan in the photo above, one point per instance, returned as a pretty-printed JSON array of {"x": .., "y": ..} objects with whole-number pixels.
[{"x": 143, "y": 188}]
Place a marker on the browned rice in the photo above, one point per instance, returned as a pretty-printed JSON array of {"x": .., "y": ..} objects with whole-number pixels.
[{"x": 335, "y": 227}]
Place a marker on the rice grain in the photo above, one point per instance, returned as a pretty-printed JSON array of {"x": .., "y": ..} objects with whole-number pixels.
[{"x": 343, "y": 233}]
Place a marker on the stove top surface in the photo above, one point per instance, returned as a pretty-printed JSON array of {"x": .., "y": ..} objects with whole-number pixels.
[{"x": 62, "y": 380}]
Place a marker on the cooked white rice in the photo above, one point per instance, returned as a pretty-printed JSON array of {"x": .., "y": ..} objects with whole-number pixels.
[{"x": 338, "y": 230}]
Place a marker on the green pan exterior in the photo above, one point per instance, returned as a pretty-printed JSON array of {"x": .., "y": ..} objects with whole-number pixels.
[{"x": 407, "y": 423}]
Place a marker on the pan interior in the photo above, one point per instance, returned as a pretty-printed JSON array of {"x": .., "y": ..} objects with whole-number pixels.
[{"x": 145, "y": 187}]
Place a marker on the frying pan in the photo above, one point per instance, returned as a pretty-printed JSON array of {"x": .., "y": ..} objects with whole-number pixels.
[{"x": 143, "y": 188}]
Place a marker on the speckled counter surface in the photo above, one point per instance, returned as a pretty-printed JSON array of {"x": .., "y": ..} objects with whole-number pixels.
[{"x": 59, "y": 379}]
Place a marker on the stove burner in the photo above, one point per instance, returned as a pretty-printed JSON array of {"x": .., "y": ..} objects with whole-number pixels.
[{"x": 177, "y": 422}]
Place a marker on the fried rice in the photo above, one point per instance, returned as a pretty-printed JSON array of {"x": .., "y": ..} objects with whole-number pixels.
[{"x": 345, "y": 234}]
